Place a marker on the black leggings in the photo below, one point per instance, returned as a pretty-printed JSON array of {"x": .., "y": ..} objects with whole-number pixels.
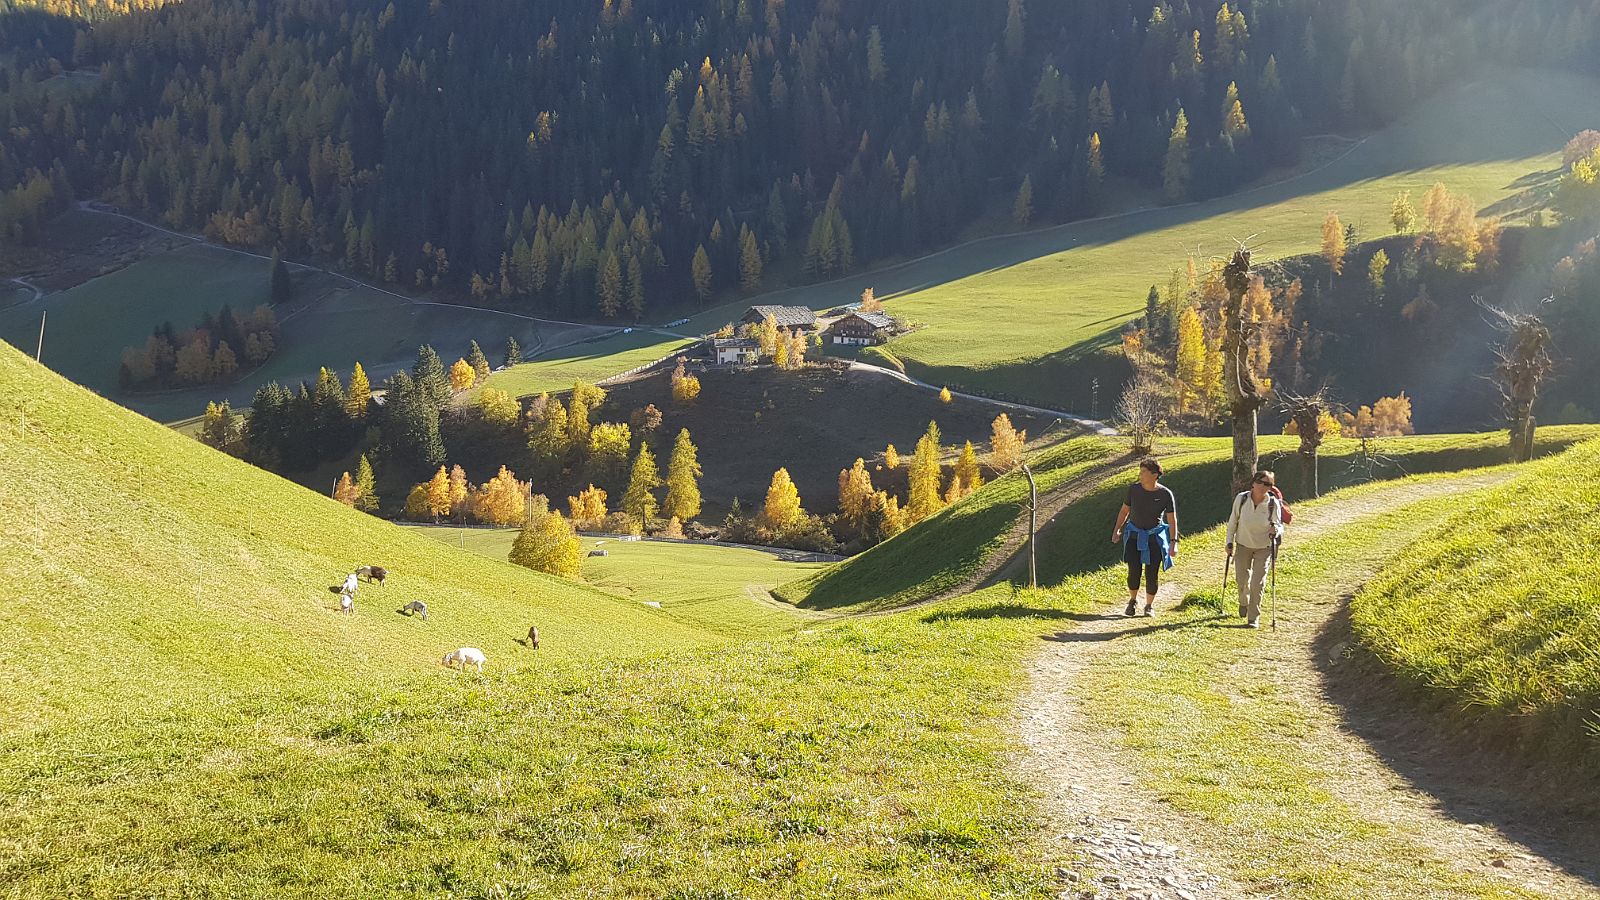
[{"x": 1152, "y": 572}]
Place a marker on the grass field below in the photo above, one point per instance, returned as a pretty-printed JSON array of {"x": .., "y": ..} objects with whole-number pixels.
[
  {"x": 589, "y": 361},
  {"x": 332, "y": 324},
  {"x": 721, "y": 589}
]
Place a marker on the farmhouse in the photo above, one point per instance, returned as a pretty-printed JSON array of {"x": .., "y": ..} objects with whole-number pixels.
[
  {"x": 797, "y": 317},
  {"x": 735, "y": 351},
  {"x": 860, "y": 328}
]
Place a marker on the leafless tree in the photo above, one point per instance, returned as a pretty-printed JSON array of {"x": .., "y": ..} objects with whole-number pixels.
[
  {"x": 1245, "y": 397},
  {"x": 1522, "y": 363},
  {"x": 1141, "y": 411},
  {"x": 1306, "y": 411}
]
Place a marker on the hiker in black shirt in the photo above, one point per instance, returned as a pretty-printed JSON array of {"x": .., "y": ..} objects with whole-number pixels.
[{"x": 1147, "y": 528}]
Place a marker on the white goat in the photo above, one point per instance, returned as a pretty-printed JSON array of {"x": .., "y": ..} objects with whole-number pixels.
[
  {"x": 350, "y": 584},
  {"x": 466, "y": 656},
  {"x": 347, "y": 604}
]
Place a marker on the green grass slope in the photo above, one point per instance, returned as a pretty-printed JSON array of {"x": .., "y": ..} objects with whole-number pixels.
[
  {"x": 939, "y": 554},
  {"x": 1016, "y": 314},
  {"x": 1495, "y": 608},
  {"x": 143, "y": 570},
  {"x": 187, "y": 715}
]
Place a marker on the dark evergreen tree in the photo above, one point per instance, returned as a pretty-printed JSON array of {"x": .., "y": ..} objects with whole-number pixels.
[{"x": 282, "y": 284}]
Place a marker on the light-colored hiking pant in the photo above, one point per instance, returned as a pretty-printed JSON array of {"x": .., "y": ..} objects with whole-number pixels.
[{"x": 1250, "y": 570}]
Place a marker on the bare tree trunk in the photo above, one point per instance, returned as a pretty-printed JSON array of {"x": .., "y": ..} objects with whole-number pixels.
[
  {"x": 1308, "y": 460},
  {"x": 1243, "y": 397},
  {"x": 1522, "y": 437}
]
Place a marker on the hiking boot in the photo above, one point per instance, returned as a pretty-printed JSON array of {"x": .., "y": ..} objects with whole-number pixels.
[
  {"x": 1132, "y": 610},
  {"x": 1243, "y": 613},
  {"x": 1150, "y": 610},
  {"x": 1253, "y": 623}
]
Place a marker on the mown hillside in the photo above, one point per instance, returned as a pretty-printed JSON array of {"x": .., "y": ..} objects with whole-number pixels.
[
  {"x": 187, "y": 714},
  {"x": 144, "y": 570},
  {"x": 1495, "y": 613}
]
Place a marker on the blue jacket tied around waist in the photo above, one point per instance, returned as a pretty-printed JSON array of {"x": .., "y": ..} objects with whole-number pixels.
[{"x": 1150, "y": 538}]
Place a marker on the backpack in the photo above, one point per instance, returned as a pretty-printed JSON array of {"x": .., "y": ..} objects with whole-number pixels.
[{"x": 1284, "y": 515}]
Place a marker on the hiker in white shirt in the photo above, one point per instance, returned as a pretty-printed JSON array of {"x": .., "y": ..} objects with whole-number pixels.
[{"x": 1254, "y": 528}]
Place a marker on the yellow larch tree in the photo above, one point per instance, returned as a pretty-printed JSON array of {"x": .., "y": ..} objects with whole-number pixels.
[
  {"x": 501, "y": 500},
  {"x": 588, "y": 508},
  {"x": 683, "y": 480},
  {"x": 459, "y": 487},
  {"x": 1005, "y": 444},
  {"x": 345, "y": 490},
  {"x": 891, "y": 458},
  {"x": 782, "y": 508},
  {"x": 359, "y": 398},
  {"x": 439, "y": 494},
  {"x": 925, "y": 475},
  {"x": 855, "y": 494},
  {"x": 968, "y": 474},
  {"x": 1333, "y": 245},
  {"x": 462, "y": 376},
  {"x": 1191, "y": 362}
]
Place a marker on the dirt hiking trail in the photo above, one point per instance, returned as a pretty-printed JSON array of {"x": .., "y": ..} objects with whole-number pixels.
[{"x": 1140, "y": 846}]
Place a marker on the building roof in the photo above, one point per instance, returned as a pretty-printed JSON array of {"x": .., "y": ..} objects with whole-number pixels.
[
  {"x": 734, "y": 344},
  {"x": 875, "y": 319},
  {"x": 786, "y": 316}
]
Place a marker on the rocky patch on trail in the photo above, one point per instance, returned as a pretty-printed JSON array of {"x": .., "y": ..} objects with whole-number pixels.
[{"x": 1127, "y": 865}]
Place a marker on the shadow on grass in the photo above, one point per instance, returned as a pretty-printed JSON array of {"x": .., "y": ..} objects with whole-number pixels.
[
  {"x": 1086, "y": 637},
  {"x": 1000, "y": 611},
  {"x": 1480, "y": 773}
]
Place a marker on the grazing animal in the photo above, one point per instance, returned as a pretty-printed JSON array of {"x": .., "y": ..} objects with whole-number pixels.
[
  {"x": 415, "y": 606},
  {"x": 466, "y": 656},
  {"x": 373, "y": 574},
  {"x": 347, "y": 604},
  {"x": 533, "y": 637},
  {"x": 350, "y": 584}
]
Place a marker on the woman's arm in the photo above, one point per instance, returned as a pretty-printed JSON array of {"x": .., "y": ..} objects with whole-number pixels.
[{"x": 1122, "y": 519}]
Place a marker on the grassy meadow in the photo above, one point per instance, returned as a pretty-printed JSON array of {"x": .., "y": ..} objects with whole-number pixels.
[
  {"x": 589, "y": 361},
  {"x": 720, "y": 589},
  {"x": 1494, "y": 608},
  {"x": 1025, "y": 315},
  {"x": 331, "y": 323},
  {"x": 188, "y": 714},
  {"x": 191, "y": 717}
]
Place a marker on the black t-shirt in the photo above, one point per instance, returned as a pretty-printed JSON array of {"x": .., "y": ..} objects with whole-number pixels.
[{"x": 1146, "y": 508}]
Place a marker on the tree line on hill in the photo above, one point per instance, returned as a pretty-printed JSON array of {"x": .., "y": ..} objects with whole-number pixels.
[
  {"x": 608, "y": 470},
  {"x": 654, "y": 152},
  {"x": 1360, "y": 313},
  {"x": 214, "y": 351}
]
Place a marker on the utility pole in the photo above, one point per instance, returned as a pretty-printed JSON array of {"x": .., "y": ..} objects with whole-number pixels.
[
  {"x": 1033, "y": 526},
  {"x": 38, "y": 351}
]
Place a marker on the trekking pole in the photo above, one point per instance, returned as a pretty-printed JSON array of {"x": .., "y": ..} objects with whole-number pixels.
[
  {"x": 1273, "y": 602},
  {"x": 1227, "y": 562}
]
